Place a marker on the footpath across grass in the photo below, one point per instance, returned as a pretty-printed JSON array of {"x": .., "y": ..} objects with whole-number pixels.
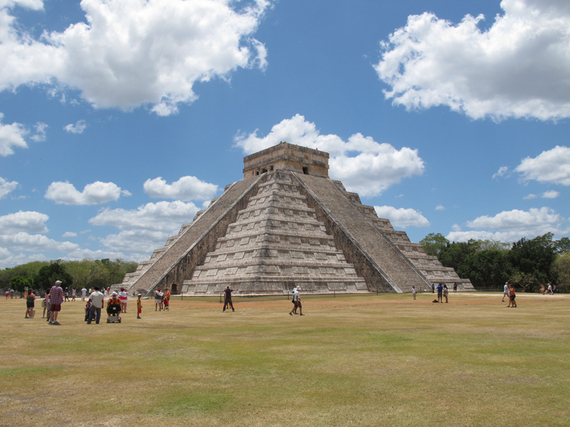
[{"x": 366, "y": 360}]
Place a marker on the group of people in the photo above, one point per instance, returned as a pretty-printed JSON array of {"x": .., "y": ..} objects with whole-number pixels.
[
  {"x": 509, "y": 292},
  {"x": 161, "y": 300},
  {"x": 116, "y": 305}
]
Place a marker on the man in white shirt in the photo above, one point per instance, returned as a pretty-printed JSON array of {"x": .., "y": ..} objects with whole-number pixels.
[
  {"x": 506, "y": 291},
  {"x": 97, "y": 300},
  {"x": 83, "y": 293}
]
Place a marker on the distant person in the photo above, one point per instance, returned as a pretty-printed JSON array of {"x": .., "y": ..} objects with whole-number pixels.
[
  {"x": 166, "y": 300},
  {"x": 455, "y": 287},
  {"x": 445, "y": 293},
  {"x": 47, "y": 308},
  {"x": 73, "y": 294},
  {"x": 7, "y": 293},
  {"x": 83, "y": 293},
  {"x": 298, "y": 305},
  {"x": 512, "y": 297},
  {"x": 555, "y": 289},
  {"x": 66, "y": 294},
  {"x": 506, "y": 291},
  {"x": 440, "y": 293},
  {"x": 114, "y": 305},
  {"x": 158, "y": 295},
  {"x": 30, "y": 303},
  {"x": 11, "y": 293},
  {"x": 414, "y": 292},
  {"x": 549, "y": 290},
  {"x": 97, "y": 299},
  {"x": 56, "y": 299},
  {"x": 433, "y": 288},
  {"x": 123, "y": 297},
  {"x": 542, "y": 289},
  {"x": 293, "y": 300},
  {"x": 139, "y": 306},
  {"x": 228, "y": 299}
]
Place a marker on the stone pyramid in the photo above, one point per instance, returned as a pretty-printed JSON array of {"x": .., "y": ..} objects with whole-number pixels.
[{"x": 287, "y": 224}]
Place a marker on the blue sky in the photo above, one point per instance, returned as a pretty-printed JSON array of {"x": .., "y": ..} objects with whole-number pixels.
[{"x": 120, "y": 119}]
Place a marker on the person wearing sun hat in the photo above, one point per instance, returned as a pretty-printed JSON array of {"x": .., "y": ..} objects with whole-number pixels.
[{"x": 297, "y": 300}]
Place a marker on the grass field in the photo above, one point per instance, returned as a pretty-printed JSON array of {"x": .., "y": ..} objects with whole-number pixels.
[{"x": 368, "y": 360}]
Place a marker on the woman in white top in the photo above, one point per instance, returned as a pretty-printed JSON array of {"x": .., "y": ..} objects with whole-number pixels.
[{"x": 123, "y": 297}]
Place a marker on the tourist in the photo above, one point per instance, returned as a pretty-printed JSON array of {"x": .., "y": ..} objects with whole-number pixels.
[
  {"x": 506, "y": 291},
  {"x": 166, "y": 299},
  {"x": 414, "y": 292},
  {"x": 228, "y": 299},
  {"x": 542, "y": 289},
  {"x": 512, "y": 297},
  {"x": 293, "y": 300},
  {"x": 455, "y": 287},
  {"x": 158, "y": 299},
  {"x": 30, "y": 303},
  {"x": 297, "y": 299},
  {"x": 139, "y": 306},
  {"x": 56, "y": 299},
  {"x": 7, "y": 293},
  {"x": 114, "y": 305},
  {"x": 47, "y": 308},
  {"x": 445, "y": 293},
  {"x": 83, "y": 293},
  {"x": 72, "y": 294},
  {"x": 549, "y": 290},
  {"x": 66, "y": 295},
  {"x": 123, "y": 297},
  {"x": 440, "y": 293},
  {"x": 97, "y": 300}
]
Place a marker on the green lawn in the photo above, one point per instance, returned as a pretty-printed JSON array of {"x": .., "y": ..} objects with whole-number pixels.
[{"x": 368, "y": 360}]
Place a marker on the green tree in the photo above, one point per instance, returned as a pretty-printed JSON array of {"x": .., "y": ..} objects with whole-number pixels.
[
  {"x": 48, "y": 274},
  {"x": 534, "y": 258},
  {"x": 19, "y": 283},
  {"x": 434, "y": 243},
  {"x": 561, "y": 268}
]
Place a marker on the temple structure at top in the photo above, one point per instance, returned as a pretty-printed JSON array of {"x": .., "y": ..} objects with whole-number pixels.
[{"x": 288, "y": 224}]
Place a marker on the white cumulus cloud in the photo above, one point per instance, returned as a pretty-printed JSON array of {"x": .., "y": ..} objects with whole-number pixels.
[
  {"x": 28, "y": 222},
  {"x": 510, "y": 226},
  {"x": 186, "y": 188},
  {"x": 146, "y": 228},
  {"x": 402, "y": 217},
  {"x": 130, "y": 53},
  {"x": 6, "y": 187},
  {"x": 11, "y": 135},
  {"x": 92, "y": 194},
  {"x": 517, "y": 68},
  {"x": 362, "y": 164},
  {"x": 549, "y": 166},
  {"x": 78, "y": 127}
]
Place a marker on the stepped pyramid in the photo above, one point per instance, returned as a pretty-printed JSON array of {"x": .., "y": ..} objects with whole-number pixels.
[{"x": 287, "y": 224}]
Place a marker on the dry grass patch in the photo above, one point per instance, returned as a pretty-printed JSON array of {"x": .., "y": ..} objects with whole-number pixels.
[{"x": 364, "y": 360}]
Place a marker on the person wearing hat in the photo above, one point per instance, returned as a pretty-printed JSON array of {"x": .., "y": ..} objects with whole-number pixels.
[
  {"x": 97, "y": 300},
  {"x": 56, "y": 298},
  {"x": 114, "y": 305},
  {"x": 297, "y": 302},
  {"x": 139, "y": 306}
]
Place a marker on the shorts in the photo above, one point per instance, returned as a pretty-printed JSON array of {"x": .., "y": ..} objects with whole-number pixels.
[
  {"x": 56, "y": 307},
  {"x": 298, "y": 304},
  {"x": 139, "y": 310},
  {"x": 512, "y": 297},
  {"x": 30, "y": 305}
]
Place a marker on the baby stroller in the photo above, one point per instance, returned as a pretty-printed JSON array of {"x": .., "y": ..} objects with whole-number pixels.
[{"x": 113, "y": 311}]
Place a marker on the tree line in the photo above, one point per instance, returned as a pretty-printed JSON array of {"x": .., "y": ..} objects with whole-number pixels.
[
  {"x": 527, "y": 263},
  {"x": 88, "y": 273}
]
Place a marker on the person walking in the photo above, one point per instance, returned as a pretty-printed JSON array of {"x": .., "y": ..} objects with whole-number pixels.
[
  {"x": 506, "y": 291},
  {"x": 297, "y": 300},
  {"x": 228, "y": 298},
  {"x": 83, "y": 293},
  {"x": 56, "y": 299},
  {"x": 97, "y": 299},
  {"x": 414, "y": 292},
  {"x": 512, "y": 297},
  {"x": 445, "y": 293},
  {"x": 440, "y": 293}
]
